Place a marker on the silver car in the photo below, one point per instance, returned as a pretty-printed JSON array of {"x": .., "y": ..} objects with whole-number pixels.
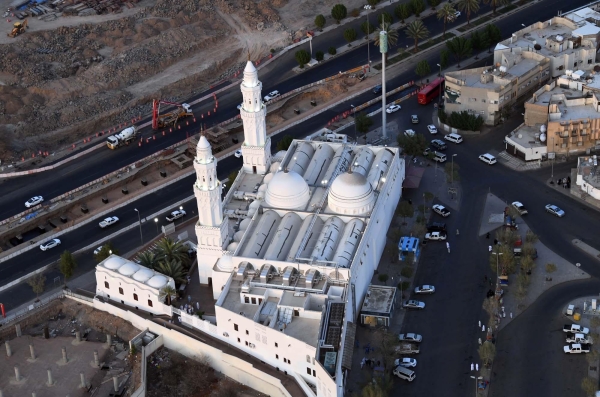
[
  {"x": 413, "y": 304},
  {"x": 425, "y": 289},
  {"x": 50, "y": 244}
]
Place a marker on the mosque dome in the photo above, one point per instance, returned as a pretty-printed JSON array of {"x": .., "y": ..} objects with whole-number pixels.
[
  {"x": 143, "y": 275},
  {"x": 351, "y": 194},
  {"x": 114, "y": 262},
  {"x": 225, "y": 263},
  {"x": 157, "y": 281},
  {"x": 245, "y": 223},
  {"x": 287, "y": 190},
  {"x": 203, "y": 143},
  {"x": 274, "y": 166},
  {"x": 267, "y": 178},
  {"x": 128, "y": 269}
]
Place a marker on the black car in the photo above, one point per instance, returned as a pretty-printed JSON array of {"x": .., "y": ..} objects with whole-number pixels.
[
  {"x": 439, "y": 145},
  {"x": 377, "y": 90},
  {"x": 436, "y": 227}
]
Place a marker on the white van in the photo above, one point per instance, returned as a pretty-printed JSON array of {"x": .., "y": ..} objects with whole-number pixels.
[
  {"x": 404, "y": 373},
  {"x": 439, "y": 157},
  {"x": 453, "y": 138}
]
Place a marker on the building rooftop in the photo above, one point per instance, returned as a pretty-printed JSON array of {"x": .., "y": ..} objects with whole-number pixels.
[
  {"x": 528, "y": 136},
  {"x": 139, "y": 273},
  {"x": 587, "y": 167},
  {"x": 567, "y": 98},
  {"x": 379, "y": 299}
]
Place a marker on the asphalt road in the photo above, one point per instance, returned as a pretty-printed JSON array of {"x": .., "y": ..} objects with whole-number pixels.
[{"x": 276, "y": 76}]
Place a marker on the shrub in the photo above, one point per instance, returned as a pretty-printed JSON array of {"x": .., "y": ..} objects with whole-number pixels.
[
  {"x": 385, "y": 16},
  {"x": 320, "y": 21},
  {"x": 355, "y": 13},
  {"x": 302, "y": 57},
  {"x": 272, "y": 50},
  {"x": 339, "y": 12},
  {"x": 465, "y": 121},
  {"x": 407, "y": 272},
  {"x": 443, "y": 116},
  {"x": 319, "y": 55},
  {"x": 332, "y": 51},
  {"x": 550, "y": 267}
]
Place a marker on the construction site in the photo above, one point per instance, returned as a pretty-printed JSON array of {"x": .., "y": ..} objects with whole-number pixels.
[{"x": 71, "y": 67}]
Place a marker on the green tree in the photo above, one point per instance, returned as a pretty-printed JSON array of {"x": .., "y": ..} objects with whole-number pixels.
[
  {"x": 405, "y": 210},
  {"x": 446, "y": 13},
  {"x": 285, "y": 142},
  {"x": 444, "y": 59},
  {"x": 302, "y": 57},
  {"x": 477, "y": 42},
  {"x": 527, "y": 264},
  {"x": 169, "y": 250},
  {"x": 363, "y": 123},
  {"x": 339, "y": 12},
  {"x": 528, "y": 250},
  {"x": 37, "y": 283},
  {"x": 367, "y": 27},
  {"x": 495, "y": 3},
  {"x": 106, "y": 251},
  {"x": 507, "y": 236},
  {"x": 412, "y": 145},
  {"x": 373, "y": 3},
  {"x": 531, "y": 237},
  {"x": 67, "y": 265},
  {"x": 332, "y": 51},
  {"x": 459, "y": 47},
  {"x": 172, "y": 269},
  {"x": 487, "y": 352},
  {"x": 320, "y": 21},
  {"x": 416, "y": 30},
  {"x": 417, "y": 6},
  {"x": 423, "y": 69},
  {"x": 468, "y": 7},
  {"x": 493, "y": 35},
  {"x": 505, "y": 260},
  {"x": 385, "y": 17},
  {"x": 383, "y": 278},
  {"x": 349, "y": 35},
  {"x": 550, "y": 267},
  {"x": 319, "y": 56},
  {"x": 403, "y": 11},
  {"x": 434, "y": 3},
  {"x": 166, "y": 294},
  {"x": 147, "y": 259}
]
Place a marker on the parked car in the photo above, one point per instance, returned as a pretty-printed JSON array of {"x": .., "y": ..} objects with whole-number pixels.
[
  {"x": 406, "y": 362},
  {"x": 393, "y": 108},
  {"x": 519, "y": 207},
  {"x": 436, "y": 227},
  {"x": 435, "y": 236},
  {"x": 432, "y": 129},
  {"x": 50, "y": 244},
  {"x": 97, "y": 250},
  {"x": 238, "y": 153},
  {"x": 416, "y": 338},
  {"x": 272, "y": 95},
  {"x": 34, "y": 201},
  {"x": 413, "y": 304},
  {"x": 176, "y": 215},
  {"x": 441, "y": 210},
  {"x": 554, "y": 210},
  {"x": 456, "y": 138},
  {"x": 414, "y": 119},
  {"x": 111, "y": 220},
  {"x": 377, "y": 89},
  {"x": 577, "y": 348},
  {"x": 488, "y": 158},
  {"x": 576, "y": 328},
  {"x": 409, "y": 133},
  {"x": 454, "y": 16},
  {"x": 425, "y": 289},
  {"x": 439, "y": 145}
]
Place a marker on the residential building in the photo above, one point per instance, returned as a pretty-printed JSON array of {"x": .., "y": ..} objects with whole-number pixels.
[
  {"x": 588, "y": 177},
  {"x": 487, "y": 91}
]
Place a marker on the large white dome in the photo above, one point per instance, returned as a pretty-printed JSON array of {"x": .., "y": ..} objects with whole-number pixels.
[
  {"x": 114, "y": 262},
  {"x": 225, "y": 263},
  {"x": 157, "y": 281},
  {"x": 128, "y": 269},
  {"x": 351, "y": 194},
  {"x": 287, "y": 190},
  {"x": 143, "y": 275}
]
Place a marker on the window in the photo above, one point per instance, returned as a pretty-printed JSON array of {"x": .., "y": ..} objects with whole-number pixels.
[
  {"x": 247, "y": 333},
  {"x": 276, "y": 345},
  {"x": 135, "y": 297},
  {"x": 259, "y": 301},
  {"x": 277, "y": 356},
  {"x": 589, "y": 61},
  {"x": 246, "y": 299},
  {"x": 483, "y": 100},
  {"x": 246, "y": 343},
  {"x": 254, "y": 301},
  {"x": 285, "y": 360},
  {"x": 120, "y": 290},
  {"x": 235, "y": 327},
  {"x": 482, "y": 112},
  {"x": 239, "y": 341},
  {"x": 308, "y": 371},
  {"x": 106, "y": 285},
  {"x": 308, "y": 359},
  {"x": 314, "y": 373},
  {"x": 149, "y": 303}
]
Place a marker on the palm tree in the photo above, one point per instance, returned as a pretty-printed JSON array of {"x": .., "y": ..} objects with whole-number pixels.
[
  {"x": 459, "y": 47},
  {"x": 446, "y": 13},
  {"x": 148, "y": 259},
  {"x": 167, "y": 293},
  {"x": 468, "y": 7},
  {"x": 170, "y": 250},
  {"x": 495, "y": 3},
  {"x": 392, "y": 36},
  {"x": 171, "y": 269},
  {"x": 416, "y": 30}
]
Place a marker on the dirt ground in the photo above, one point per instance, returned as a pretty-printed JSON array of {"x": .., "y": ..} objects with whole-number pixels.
[{"x": 63, "y": 79}]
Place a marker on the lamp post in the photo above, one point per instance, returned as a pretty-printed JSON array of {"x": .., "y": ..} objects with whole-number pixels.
[
  {"x": 368, "y": 8},
  {"x": 497, "y": 266},
  {"x": 156, "y": 222},
  {"x": 440, "y": 75},
  {"x": 476, "y": 379},
  {"x": 383, "y": 48},
  {"x": 452, "y": 170},
  {"x": 554, "y": 155},
  {"x": 140, "y": 222},
  {"x": 354, "y": 116}
]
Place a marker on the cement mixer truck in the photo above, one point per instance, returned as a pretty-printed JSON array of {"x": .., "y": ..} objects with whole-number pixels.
[{"x": 122, "y": 138}]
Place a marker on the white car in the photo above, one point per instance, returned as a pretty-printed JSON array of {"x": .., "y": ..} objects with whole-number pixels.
[
  {"x": 435, "y": 236},
  {"x": 432, "y": 129},
  {"x": 487, "y": 158},
  {"x": 413, "y": 304},
  {"x": 406, "y": 362},
  {"x": 238, "y": 153},
  {"x": 272, "y": 95},
  {"x": 176, "y": 215},
  {"x": 409, "y": 133},
  {"x": 33, "y": 201},
  {"x": 240, "y": 106},
  {"x": 425, "y": 289},
  {"x": 456, "y": 15},
  {"x": 414, "y": 119},
  {"x": 111, "y": 220},
  {"x": 441, "y": 210},
  {"x": 554, "y": 210},
  {"x": 517, "y": 205},
  {"x": 50, "y": 244},
  {"x": 416, "y": 338},
  {"x": 393, "y": 108},
  {"x": 456, "y": 138},
  {"x": 97, "y": 250}
]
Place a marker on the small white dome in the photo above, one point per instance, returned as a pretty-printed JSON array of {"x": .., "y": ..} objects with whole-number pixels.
[
  {"x": 129, "y": 268},
  {"x": 351, "y": 194},
  {"x": 245, "y": 223},
  {"x": 157, "y": 281},
  {"x": 237, "y": 237},
  {"x": 225, "y": 263},
  {"x": 274, "y": 167},
  {"x": 254, "y": 204},
  {"x": 143, "y": 275},
  {"x": 232, "y": 246},
  {"x": 114, "y": 262},
  {"x": 252, "y": 211},
  {"x": 268, "y": 178},
  {"x": 203, "y": 143},
  {"x": 262, "y": 188},
  {"x": 287, "y": 190}
]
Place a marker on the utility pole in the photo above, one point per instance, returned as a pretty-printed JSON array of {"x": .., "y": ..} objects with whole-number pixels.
[
  {"x": 440, "y": 98},
  {"x": 354, "y": 115},
  {"x": 140, "y": 222},
  {"x": 383, "y": 48},
  {"x": 452, "y": 170},
  {"x": 368, "y": 8}
]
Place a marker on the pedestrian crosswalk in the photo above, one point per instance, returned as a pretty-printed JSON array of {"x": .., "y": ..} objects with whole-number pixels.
[{"x": 516, "y": 163}]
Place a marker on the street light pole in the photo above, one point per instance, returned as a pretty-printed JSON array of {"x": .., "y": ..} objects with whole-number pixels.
[
  {"x": 554, "y": 155},
  {"x": 156, "y": 222},
  {"x": 440, "y": 96},
  {"x": 497, "y": 268},
  {"x": 140, "y": 222},
  {"x": 368, "y": 8},
  {"x": 452, "y": 170},
  {"x": 354, "y": 116},
  {"x": 476, "y": 379}
]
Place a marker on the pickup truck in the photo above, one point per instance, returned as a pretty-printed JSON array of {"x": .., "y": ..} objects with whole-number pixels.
[
  {"x": 109, "y": 221},
  {"x": 407, "y": 348},
  {"x": 176, "y": 215},
  {"x": 578, "y": 338},
  {"x": 576, "y": 328},
  {"x": 577, "y": 348},
  {"x": 435, "y": 236}
]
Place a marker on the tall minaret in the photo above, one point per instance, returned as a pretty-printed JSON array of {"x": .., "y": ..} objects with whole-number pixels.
[
  {"x": 211, "y": 229},
  {"x": 256, "y": 149}
]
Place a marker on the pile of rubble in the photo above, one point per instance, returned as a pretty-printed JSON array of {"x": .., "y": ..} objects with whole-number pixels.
[{"x": 172, "y": 8}]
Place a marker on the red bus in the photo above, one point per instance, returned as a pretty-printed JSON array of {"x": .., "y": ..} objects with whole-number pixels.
[{"x": 431, "y": 91}]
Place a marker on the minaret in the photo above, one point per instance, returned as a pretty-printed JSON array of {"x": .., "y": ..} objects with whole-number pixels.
[
  {"x": 256, "y": 149},
  {"x": 211, "y": 229}
]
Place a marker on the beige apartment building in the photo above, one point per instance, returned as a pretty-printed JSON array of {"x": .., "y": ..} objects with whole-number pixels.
[{"x": 487, "y": 91}]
